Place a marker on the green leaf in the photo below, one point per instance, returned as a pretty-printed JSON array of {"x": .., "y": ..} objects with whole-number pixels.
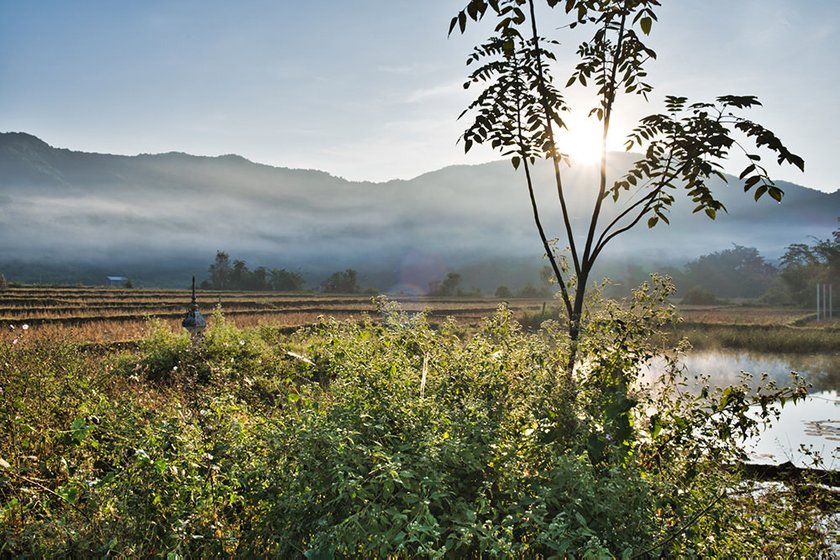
[
  {"x": 652, "y": 221},
  {"x": 646, "y": 23},
  {"x": 69, "y": 494},
  {"x": 655, "y": 426},
  {"x": 776, "y": 194},
  {"x": 515, "y": 161},
  {"x": 80, "y": 429},
  {"x": 749, "y": 169},
  {"x": 750, "y": 183},
  {"x": 710, "y": 212}
]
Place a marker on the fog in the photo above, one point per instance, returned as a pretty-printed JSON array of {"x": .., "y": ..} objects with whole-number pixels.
[{"x": 158, "y": 211}]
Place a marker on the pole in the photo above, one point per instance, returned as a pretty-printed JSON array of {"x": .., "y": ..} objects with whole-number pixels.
[
  {"x": 824, "y": 302},
  {"x": 818, "y": 302}
]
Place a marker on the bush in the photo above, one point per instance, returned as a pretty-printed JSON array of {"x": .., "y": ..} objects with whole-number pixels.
[
  {"x": 503, "y": 292},
  {"x": 432, "y": 446},
  {"x": 697, "y": 295},
  {"x": 388, "y": 439}
]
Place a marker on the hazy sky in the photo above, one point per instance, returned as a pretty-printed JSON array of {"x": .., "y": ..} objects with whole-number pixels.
[{"x": 369, "y": 89}]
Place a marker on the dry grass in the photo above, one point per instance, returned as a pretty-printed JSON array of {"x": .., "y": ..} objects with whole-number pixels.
[
  {"x": 107, "y": 315},
  {"x": 765, "y": 329},
  {"x": 742, "y": 315}
]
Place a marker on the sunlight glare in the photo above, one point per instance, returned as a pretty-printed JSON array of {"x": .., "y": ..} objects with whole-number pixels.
[{"x": 582, "y": 141}]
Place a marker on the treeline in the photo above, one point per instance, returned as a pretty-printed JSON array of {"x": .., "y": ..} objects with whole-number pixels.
[
  {"x": 226, "y": 275},
  {"x": 742, "y": 272}
]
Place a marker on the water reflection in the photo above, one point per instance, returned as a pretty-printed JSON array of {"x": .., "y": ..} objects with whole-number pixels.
[
  {"x": 723, "y": 367},
  {"x": 813, "y": 423}
]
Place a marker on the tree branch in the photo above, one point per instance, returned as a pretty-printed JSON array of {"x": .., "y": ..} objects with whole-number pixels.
[
  {"x": 550, "y": 132},
  {"x": 608, "y": 102}
]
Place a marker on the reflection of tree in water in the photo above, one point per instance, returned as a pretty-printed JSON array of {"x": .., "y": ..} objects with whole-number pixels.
[
  {"x": 723, "y": 367},
  {"x": 821, "y": 371}
]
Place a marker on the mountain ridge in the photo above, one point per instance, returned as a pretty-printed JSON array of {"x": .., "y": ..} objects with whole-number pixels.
[{"x": 61, "y": 205}]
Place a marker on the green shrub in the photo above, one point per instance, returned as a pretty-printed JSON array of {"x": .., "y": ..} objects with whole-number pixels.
[
  {"x": 432, "y": 446},
  {"x": 388, "y": 439}
]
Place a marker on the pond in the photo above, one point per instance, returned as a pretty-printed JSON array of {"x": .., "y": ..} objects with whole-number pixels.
[{"x": 813, "y": 422}]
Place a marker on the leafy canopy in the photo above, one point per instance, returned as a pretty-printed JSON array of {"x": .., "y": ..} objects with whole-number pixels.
[{"x": 520, "y": 106}]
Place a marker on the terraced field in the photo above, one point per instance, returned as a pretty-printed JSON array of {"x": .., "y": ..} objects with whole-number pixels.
[{"x": 105, "y": 315}]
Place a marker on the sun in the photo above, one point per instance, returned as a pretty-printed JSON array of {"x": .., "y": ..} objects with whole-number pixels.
[{"x": 582, "y": 142}]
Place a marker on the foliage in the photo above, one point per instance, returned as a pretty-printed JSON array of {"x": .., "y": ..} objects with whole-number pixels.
[
  {"x": 384, "y": 439},
  {"x": 503, "y": 292},
  {"x": 223, "y": 276},
  {"x": 699, "y": 296},
  {"x": 446, "y": 287},
  {"x": 803, "y": 266},
  {"x": 736, "y": 272},
  {"x": 342, "y": 282},
  {"x": 521, "y": 107}
]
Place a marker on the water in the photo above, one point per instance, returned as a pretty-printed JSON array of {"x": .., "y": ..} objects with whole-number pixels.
[{"x": 813, "y": 422}]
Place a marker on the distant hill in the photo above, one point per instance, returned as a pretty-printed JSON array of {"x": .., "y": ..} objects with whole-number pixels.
[{"x": 151, "y": 212}]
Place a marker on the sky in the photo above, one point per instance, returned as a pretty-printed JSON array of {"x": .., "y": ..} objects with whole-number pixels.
[{"x": 371, "y": 89}]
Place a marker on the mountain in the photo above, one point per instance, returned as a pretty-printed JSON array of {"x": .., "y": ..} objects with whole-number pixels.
[{"x": 171, "y": 212}]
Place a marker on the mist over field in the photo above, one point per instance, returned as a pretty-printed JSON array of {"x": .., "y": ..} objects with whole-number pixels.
[{"x": 158, "y": 217}]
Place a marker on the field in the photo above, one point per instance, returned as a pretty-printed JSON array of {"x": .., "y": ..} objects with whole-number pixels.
[
  {"x": 108, "y": 315},
  {"x": 121, "y": 437},
  {"x": 759, "y": 328},
  {"x": 99, "y": 315}
]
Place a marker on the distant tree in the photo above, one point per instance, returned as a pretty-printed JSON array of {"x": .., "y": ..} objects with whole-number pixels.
[
  {"x": 503, "y": 292},
  {"x": 341, "y": 282},
  {"x": 239, "y": 275},
  {"x": 530, "y": 291},
  {"x": 803, "y": 266},
  {"x": 699, "y": 296},
  {"x": 521, "y": 108},
  {"x": 447, "y": 287},
  {"x": 219, "y": 271},
  {"x": 259, "y": 279},
  {"x": 284, "y": 281},
  {"x": 224, "y": 276},
  {"x": 737, "y": 272}
]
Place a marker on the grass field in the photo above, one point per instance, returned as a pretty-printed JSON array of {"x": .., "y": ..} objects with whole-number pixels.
[
  {"x": 121, "y": 437},
  {"x": 759, "y": 328},
  {"x": 108, "y": 315}
]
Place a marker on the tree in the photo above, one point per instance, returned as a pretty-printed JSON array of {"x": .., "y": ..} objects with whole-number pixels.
[
  {"x": 803, "y": 266},
  {"x": 447, "y": 287},
  {"x": 219, "y": 271},
  {"x": 258, "y": 279},
  {"x": 503, "y": 292},
  {"x": 240, "y": 275},
  {"x": 284, "y": 281},
  {"x": 737, "y": 272},
  {"x": 341, "y": 282},
  {"x": 521, "y": 107}
]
